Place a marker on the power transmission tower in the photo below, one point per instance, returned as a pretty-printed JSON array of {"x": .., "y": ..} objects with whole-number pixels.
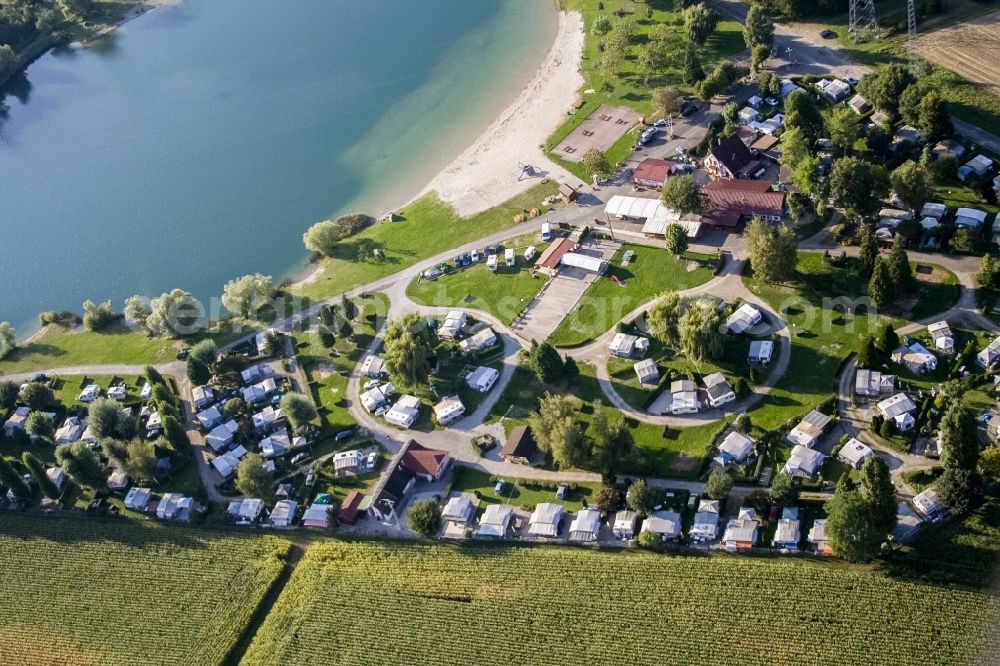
[
  {"x": 911, "y": 35},
  {"x": 862, "y": 23}
]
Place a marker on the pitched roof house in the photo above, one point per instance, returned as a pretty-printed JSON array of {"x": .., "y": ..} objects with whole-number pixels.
[
  {"x": 855, "y": 453},
  {"x": 585, "y": 526},
  {"x": 742, "y": 532},
  {"x": 495, "y": 521},
  {"x": 520, "y": 446},
  {"x": 804, "y": 462},
  {"x": 665, "y": 524},
  {"x": 809, "y": 429},
  {"x": 732, "y": 201},
  {"x": 706, "y": 521},
  {"x": 734, "y": 449},
  {"x": 728, "y": 158},
  {"x": 545, "y": 520},
  {"x": 719, "y": 391}
]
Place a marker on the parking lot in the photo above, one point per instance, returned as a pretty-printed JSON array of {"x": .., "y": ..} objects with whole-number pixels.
[{"x": 600, "y": 130}]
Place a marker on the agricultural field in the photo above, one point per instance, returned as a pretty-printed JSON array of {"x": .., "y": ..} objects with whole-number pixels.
[
  {"x": 650, "y": 272},
  {"x": 121, "y": 592},
  {"x": 379, "y": 603},
  {"x": 968, "y": 48}
]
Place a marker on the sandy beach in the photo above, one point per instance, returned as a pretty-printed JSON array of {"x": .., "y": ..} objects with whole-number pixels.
[{"x": 486, "y": 174}]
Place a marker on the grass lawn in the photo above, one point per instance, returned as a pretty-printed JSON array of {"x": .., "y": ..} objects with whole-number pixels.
[
  {"x": 504, "y": 293},
  {"x": 422, "y": 229},
  {"x": 328, "y": 370},
  {"x": 651, "y": 272},
  {"x": 628, "y": 86},
  {"x": 56, "y": 347},
  {"x": 469, "y": 480},
  {"x": 660, "y": 452},
  {"x": 923, "y": 479}
]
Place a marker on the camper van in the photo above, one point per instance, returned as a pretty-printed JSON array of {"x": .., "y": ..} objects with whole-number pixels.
[
  {"x": 508, "y": 257},
  {"x": 491, "y": 262},
  {"x": 546, "y": 232},
  {"x": 530, "y": 253}
]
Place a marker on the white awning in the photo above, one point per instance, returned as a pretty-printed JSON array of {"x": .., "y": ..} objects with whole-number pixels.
[{"x": 584, "y": 261}]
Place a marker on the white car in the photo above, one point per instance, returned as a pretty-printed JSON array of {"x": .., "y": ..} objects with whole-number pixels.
[
  {"x": 372, "y": 383},
  {"x": 772, "y": 101},
  {"x": 475, "y": 256}
]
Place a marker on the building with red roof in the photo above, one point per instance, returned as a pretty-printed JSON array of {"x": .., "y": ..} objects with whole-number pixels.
[
  {"x": 550, "y": 259},
  {"x": 734, "y": 201},
  {"x": 653, "y": 172},
  {"x": 430, "y": 464}
]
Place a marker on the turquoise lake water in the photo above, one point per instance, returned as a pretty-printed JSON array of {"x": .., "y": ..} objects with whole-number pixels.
[{"x": 198, "y": 143}]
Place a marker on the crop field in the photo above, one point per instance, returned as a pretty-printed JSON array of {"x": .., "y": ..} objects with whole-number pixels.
[
  {"x": 370, "y": 603},
  {"x": 968, "y": 48},
  {"x": 95, "y": 592}
]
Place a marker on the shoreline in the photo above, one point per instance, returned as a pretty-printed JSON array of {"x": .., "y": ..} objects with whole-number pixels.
[{"x": 486, "y": 173}]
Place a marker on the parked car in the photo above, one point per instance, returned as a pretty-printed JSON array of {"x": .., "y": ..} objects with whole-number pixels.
[
  {"x": 183, "y": 354},
  {"x": 500, "y": 487},
  {"x": 343, "y": 434},
  {"x": 850, "y": 79},
  {"x": 300, "y": 457},
  {"x": 466, "y": 260},
  {"x": 561, "y": 491},
  {"x": 39, "y": 378},
  {"x": 372, "y": 383},
  {"x": 662, "y": 122},
  {"x": 475, "y": 256},
  {"x": 458, "y": 261},
  {"x": 827, "y": 34},
  {"x": 772, "y": 101},
  {"x": 496, "y": 248},
  {"x": 687, "y": 108},
  {"x": 371, "y": 460}
]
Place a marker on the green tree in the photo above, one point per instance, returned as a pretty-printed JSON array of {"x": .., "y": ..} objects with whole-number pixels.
[
  {"x": 959, "y": 444},
  {"x": 701, "y": 332},
  {"x": 844, "y": 127},
  {"x": 731, "y": 113},
  {"x": 606, "y": 500},
  {"x": 934, "y": 118},
  {"x": 783, "y": 488},
  {"x": 888, "y": 339},
  {"x": 37, "y": 471},
  {"x": 758, "y": 28},
  {"x": 74, "y": 10},
  {"x": 246, "y": 296},
  {"x": 699, "y": 22},
  {"x": 772, "y": 251},
  {"x": 205, "y": 351},
  {"x": 197, "y": 372},
  {"x": 102, "y": 417},
  {"x": 867, "y": 355},
  {"x": 885, "y": 87},
  {"x": 323, "y": 238},
  {"x": 957, "y": 489},
  {"x": 913, "y": 182},
  {"x": 692, "y": 69},
  {"x": 8, "y": 339},
  {"x": 641, "y": 497},
  {"x": 97, "y": 317},
  {"x": 37, "y": 395},
  {"x": 253, "y": 479},
  {"x": 12, "y": 479},
  {"x": 407, "y": 348},
  {"x": 662, "y": 318},
  {"x": 556, "y": 428},
  {"x": 805, "y": 177},
  {"x": 795, "y": 147},
  {"x": 676, "y": 239},
  {"x": 909, "y": 104},
  {"x": 877, "y": 490},
  {"x": 652, "y": 60},
  {"x": 140, "y": 461},
  {"x": 666, "y": 101},
  {"x": 595, "y": 162},
  {"x": 424, "y": 517},
  {"x": 899, "y": 267},
  {"x": 682, "y": 194},
  {"x": 854, "y": 533},
  {"x": 881, "y": 288},
  {"x": 8, "y": 395},
  {"x": 858, "y": 185},
  {"x": 83, "y": 465},
  {"x": 153, "y": 376},
  {"x": 39, "y": 425},
  {"x": 175, "y": 434},
  {"x": 987, "y": 274},
  {"x": 989, "y": 462},
  {"x": 601, "y": 25},
  {"x": 137, "y": 310},
  {"x": 758, "y": 55},
  {"x": 647, "y": 539},
  {"x": 718, "y": 485},
  {"x": 175, "y": 313},
  {"x": 615, "y": 445},
  {"x": 546, "y": 363},
  {"x": 869, "y": 252},
  {"x": 801, "y": 111},
  {"x": 965, "y": 240},
  {"x": 299, "y": 409}
]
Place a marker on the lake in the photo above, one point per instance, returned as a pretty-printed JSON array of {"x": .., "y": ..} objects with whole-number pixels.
[{"x": 197, "y": 143}]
